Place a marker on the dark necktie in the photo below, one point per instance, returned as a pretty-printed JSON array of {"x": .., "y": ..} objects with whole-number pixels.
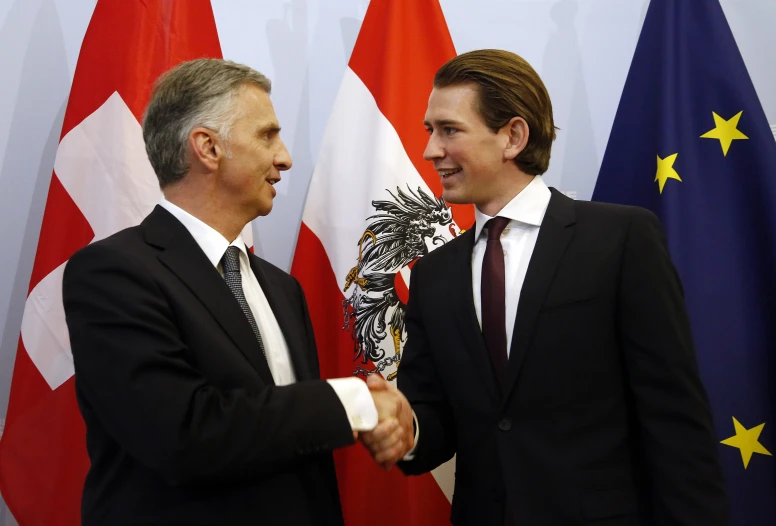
[
  {"x": 493, "y": 290},
  {"x": 230, "y": 264}
]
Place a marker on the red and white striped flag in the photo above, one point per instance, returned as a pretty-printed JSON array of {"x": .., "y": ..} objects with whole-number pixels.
[
  {"x": 102, "y": 183},
  {"x": 372, "y": 210}
]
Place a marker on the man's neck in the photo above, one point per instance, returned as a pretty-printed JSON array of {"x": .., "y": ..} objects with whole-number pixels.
[
  {"x": 219, "y": 216},
  {"x": 505, "y": 193}
]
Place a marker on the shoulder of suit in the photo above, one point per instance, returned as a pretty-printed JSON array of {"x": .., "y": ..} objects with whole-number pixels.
[
  {"x": 126, "y": 241},
  {"x": 610, "y": 212},
  {"x": 124, "y": 250}
]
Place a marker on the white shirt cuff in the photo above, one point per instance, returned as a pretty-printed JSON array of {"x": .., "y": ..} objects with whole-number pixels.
[
  {"x": 411, "y": 453},
  {"x": 357, "y": 401}
]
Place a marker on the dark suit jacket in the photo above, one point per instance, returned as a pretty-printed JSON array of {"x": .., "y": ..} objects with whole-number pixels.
[
  {"x": 184, "y": 423},
  {"x": 605, "y": 420}
]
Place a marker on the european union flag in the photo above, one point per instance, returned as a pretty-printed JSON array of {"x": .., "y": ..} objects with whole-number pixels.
[{"x": 691, "y": 143}]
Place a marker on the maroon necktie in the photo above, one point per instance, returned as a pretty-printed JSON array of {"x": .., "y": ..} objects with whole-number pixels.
[{"x": 493, "y": 290}]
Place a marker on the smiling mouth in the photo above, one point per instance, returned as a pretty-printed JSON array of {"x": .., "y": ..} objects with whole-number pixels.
[{"x": 447, "y": 173}]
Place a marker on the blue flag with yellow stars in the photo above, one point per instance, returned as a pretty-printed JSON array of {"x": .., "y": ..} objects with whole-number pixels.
[{"x": 690, "y": 142}]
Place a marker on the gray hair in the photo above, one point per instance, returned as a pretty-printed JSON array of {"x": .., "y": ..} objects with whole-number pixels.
[{"x": 198, "y": 93}]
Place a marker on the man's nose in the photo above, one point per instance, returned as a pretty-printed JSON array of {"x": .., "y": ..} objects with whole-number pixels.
[{"x": 433, "y": 149}]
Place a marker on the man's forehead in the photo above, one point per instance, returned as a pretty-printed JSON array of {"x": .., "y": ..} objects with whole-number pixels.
[
  {"x": 257, "y": 106},
  {"x": 451, "y": 106},
  {"x": 452, "y": 97},
  {"x": 255, "y": 97},
  {"x": 455, "y": 92}
]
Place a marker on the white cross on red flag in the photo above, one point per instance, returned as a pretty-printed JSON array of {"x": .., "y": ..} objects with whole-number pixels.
[{"x": 102, "y": 183}]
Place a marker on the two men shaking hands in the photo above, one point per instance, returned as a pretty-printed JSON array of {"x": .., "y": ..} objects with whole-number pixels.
[
  {"x": 548, "y": 346},
  {"x": 394, "y": 435}
]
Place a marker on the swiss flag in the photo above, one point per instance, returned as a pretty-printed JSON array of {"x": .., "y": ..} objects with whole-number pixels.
[
  {"x": 372, "y": 210},
  {"x": 102, "y": 183}
]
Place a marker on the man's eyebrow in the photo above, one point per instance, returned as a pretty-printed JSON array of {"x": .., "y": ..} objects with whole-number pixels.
[
  {"x": 442, "y": 122},
  {"x": 268, "y": 128}
]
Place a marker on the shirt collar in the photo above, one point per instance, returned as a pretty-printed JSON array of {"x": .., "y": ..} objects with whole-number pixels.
[
  {"x": 526, "y": 207},
  {"x": 212, "y": 243}
]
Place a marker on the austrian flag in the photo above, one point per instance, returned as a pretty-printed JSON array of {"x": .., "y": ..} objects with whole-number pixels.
[{"x": 373, "y": 210}]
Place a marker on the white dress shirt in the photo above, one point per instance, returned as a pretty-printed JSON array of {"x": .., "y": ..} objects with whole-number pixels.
[
  {"x": 352, "y": 392},
  {"x": 525, "y": 212}
]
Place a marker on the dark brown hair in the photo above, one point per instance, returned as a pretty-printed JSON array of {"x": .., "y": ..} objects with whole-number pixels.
[{"x": 508, "y": 87}]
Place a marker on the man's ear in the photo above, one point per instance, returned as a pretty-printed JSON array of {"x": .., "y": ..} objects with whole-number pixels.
[
  {"x": 206, "y": 148},
  {"x": 517, "y": 134}
]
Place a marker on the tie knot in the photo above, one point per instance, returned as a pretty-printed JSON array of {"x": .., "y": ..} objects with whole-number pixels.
[
  {"x": 496, "y": 226},
  {"x": 231, "y": 260}
]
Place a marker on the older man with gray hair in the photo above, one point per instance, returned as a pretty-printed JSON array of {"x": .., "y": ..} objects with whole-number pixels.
[{"x": 195, "y": 363}]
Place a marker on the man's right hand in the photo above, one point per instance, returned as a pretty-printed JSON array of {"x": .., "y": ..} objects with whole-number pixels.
[{"x": 393, "y": 437}]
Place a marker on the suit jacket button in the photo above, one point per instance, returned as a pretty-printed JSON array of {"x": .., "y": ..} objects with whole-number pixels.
[{"x": 505, "y": 424}]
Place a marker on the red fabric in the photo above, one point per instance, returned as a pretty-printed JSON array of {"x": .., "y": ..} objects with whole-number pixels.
[
  {"x": 399, "y": 48},
  {"x": 401, "y": 45},
  {"x": 127, "y": 45},
  {"x": 370, "y": 496}
]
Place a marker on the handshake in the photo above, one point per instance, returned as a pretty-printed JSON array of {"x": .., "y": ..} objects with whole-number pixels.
[{"x": 394, "y": 435}]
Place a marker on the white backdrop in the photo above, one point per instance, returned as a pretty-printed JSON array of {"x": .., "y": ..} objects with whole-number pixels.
[{"x": 581, "y": 48}]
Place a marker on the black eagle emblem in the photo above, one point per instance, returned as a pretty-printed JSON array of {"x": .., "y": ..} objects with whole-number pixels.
[{"x": 402, "y": 231}]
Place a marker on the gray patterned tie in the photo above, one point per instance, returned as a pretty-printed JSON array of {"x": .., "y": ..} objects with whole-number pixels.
[{"x": 230, "y": 264}]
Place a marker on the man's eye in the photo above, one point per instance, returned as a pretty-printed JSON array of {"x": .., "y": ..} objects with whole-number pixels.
[{"x": 449, "y": 130}]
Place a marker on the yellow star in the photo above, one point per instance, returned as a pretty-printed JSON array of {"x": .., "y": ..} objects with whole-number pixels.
[
  {"x": 725, "y": 131},
  {"x": 746, "y": 440},
  {"x": 665, "y": 170}
]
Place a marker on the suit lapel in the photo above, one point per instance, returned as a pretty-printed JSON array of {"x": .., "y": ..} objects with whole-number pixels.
[
  {"x": 181, "y": 254},
  {"x": 463, "y": 300},
  {"x": 554, "y": 235},
  {"x": 285, "y": 316}
]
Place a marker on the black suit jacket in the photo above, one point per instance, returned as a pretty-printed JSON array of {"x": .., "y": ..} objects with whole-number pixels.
[
  {"x": 605, "y": 420},
  {"x": 184, "y": 423}
]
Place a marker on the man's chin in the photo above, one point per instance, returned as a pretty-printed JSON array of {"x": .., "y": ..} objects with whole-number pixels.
[
  {"x": 263, "y": 208},
  {"x": 455, "y": 198}
]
